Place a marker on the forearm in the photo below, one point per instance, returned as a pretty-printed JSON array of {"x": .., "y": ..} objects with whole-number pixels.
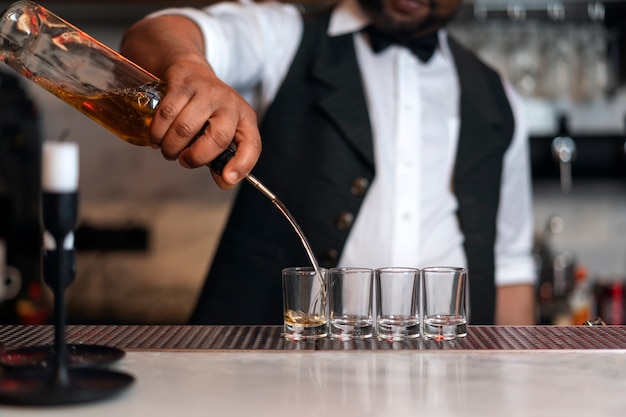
[
  {"x": 160, "y": 42},
  {"x": 515, "y": 305},
  {"x": 172, "y": 48}
]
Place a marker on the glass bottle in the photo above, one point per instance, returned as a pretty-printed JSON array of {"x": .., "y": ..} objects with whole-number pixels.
[
  {"x": 581, "y": 298},
  {"x": 79, "y": 70}
]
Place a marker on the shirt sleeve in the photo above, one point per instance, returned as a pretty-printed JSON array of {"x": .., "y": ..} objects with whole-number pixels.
[
  {"x": 514, "y": 263},
  {"x": 249, "y": 45}
]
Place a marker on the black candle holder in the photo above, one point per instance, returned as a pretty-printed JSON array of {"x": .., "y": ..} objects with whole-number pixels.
[{"x": 60, "y": 373}]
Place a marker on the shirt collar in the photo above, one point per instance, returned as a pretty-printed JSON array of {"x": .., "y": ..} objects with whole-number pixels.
[{"x": 348, "y": 17}]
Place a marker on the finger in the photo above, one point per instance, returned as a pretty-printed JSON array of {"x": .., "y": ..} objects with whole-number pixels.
[
  {"x": 248, "y": 143},
  {"x": 166, "y": 112},
  {"x": 220, "y": 181},
  {"x": 217, "y": 135},
  {"x": 204, "y": 150},
  {"x": 185, "y": 130}
]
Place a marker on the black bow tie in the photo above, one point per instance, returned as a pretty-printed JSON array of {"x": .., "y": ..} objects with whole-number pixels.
[{"x": 423, "y": 48}]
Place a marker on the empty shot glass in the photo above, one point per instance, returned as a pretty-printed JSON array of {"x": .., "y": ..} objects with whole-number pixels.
[
  {"x": 445, "y": 302},
  {"x": 304, "y": 303},
  {"x": 397, "y": 303},
  {"x": 350, "y": 302}
]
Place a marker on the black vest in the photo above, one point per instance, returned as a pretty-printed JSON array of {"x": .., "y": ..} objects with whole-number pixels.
[{"x": 317, "y": 154}]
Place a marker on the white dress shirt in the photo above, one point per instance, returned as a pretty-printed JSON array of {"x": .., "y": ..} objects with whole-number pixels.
[{"x": 408, "y": 217}]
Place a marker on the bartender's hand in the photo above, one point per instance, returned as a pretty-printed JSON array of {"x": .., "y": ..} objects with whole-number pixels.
[{"x": 171, "y": 47}]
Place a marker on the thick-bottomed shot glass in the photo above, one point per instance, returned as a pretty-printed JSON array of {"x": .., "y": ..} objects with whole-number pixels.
[
  {"x": 397, "y": 303},
  {"x": 445, "y": 316},
  {"x": 350, "y": 300},
  {"x": 304, "y": 303}
]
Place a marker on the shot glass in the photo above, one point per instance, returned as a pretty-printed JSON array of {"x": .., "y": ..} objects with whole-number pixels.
[
  {"x": 350, "y": 300},
  {"x": 304, "y": 303},
  {"x": 397, "y": 303},
  {"x": 445, "y": 303}
]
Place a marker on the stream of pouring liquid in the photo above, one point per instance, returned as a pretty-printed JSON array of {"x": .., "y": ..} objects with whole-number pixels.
[
  {"x": 283, "y": 209},
  {"x": 320, "y": 296}
]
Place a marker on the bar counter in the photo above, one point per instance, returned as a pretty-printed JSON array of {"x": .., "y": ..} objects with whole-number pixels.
[{"x": 252, "y": 370}]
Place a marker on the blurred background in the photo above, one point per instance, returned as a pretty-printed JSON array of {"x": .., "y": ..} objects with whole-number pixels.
[{"x": 148, "y": 228}]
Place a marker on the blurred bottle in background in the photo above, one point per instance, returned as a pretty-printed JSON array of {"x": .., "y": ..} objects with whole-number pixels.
[{"x": 581, "y": 299}]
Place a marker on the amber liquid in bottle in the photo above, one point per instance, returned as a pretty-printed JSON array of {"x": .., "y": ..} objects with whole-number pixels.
[{"x": 127, "y": 113}]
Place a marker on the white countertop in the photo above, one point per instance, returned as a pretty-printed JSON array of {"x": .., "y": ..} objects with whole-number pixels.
[{"x": 569, "y": 383}]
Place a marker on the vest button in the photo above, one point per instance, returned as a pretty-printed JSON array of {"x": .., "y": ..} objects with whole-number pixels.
[
  {"x": 344, "y": 221},
  {"x": 329, "y": 258},
  {"x": 359, "y": 186}
]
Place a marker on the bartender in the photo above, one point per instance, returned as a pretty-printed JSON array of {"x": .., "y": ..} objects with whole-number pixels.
[{"x": 390, "y": 143}]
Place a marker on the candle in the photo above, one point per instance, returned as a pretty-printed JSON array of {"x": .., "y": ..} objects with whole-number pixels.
[{"x": 59, "y": 167}]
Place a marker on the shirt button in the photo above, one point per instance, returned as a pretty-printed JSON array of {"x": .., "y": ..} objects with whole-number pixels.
[
  {"x": 344, "y": 221},
  {"x": 406, "y": 217},
  {"x": 359, "y": 186}
]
